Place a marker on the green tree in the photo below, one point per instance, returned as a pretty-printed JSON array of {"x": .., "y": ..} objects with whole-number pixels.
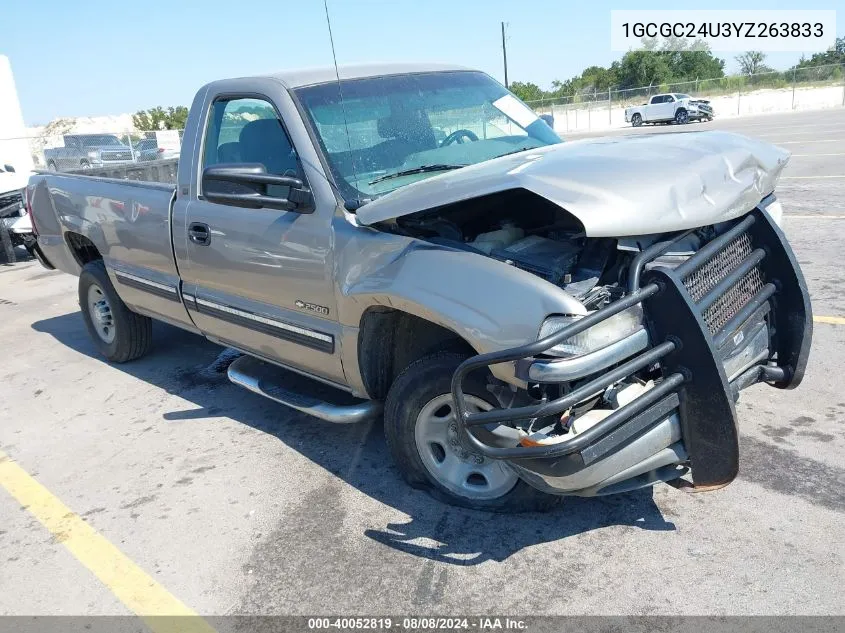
[
  {"x": 752, "y": 63},
  {"x": 642, "y": 68},
  {"x": 527, "y": 91},
  {"x": 834, "y": 55},
  {"x": 658, "y": 63},
  {"x": 158, "y": 118}
]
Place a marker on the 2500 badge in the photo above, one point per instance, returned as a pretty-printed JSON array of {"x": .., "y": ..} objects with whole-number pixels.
[{"x": 311, "y": 307}]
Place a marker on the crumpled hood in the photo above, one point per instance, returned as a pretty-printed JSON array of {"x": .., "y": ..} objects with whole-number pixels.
[{"x": 616, "y": 186}]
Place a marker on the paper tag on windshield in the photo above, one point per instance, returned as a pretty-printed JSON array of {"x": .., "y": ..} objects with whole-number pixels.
[{"x": 514, "y": 109}]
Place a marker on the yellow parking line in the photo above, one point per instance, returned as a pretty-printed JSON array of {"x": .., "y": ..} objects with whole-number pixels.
[
  {"x": 829, "y": 319},
  {"x": 128, "y": 582}
]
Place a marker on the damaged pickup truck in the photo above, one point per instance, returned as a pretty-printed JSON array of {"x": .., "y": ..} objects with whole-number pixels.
[{"x": 531, "y": 318}]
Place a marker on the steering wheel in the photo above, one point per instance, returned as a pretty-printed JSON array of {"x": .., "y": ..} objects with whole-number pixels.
[{"x": 458, "y": 136}]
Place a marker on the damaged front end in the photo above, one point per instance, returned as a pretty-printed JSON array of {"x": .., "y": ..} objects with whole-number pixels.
[{"x": 658, "y": 401}]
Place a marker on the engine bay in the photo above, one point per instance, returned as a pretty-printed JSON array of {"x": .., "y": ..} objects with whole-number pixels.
[{"x": 528, "y": 232}]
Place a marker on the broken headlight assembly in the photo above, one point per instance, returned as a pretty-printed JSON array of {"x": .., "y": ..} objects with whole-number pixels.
[{"x": 613, "y": 329}]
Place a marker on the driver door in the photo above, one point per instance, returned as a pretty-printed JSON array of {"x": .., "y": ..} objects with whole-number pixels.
[
  {"x": 260, "y": 279},
  {"x": 667, "y": 108}
]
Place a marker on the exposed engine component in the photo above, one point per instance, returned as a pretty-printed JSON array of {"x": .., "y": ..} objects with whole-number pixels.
[
  {"x": 497, "y": 240},
  {"x": 552, "y": 260},
  {"x": 538, "y": 238}
]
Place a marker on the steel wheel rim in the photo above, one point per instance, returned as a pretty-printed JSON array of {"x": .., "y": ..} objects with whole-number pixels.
[
  {"x": 462, "y": 472},
  {"x": 99, "y": 309}
]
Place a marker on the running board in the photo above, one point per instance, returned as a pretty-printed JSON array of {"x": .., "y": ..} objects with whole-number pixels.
[{"x": 301, "y": 393}]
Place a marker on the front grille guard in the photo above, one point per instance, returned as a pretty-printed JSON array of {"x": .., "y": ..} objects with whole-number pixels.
[{"x": 687, "y": 349}]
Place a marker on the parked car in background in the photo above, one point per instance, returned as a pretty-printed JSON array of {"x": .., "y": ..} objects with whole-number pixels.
[
  {"x": 15, "y": 226},
  {"x": 85, "y": 151},
  {"x": 665, "y": 108},
  {"x": 532, "y": 318},
  {"x": 147, "y": 149}
]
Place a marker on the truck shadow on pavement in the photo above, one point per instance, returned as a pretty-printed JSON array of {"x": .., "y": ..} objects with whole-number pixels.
[{"x": 193, "y": 368}]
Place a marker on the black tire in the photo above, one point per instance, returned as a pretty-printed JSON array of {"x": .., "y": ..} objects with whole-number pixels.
[
  {"x": 682, "y": 116},
  {"x": 133, "y": 332},
  {"x": 637, "y": 120},
  {"x": 51, "y": 165},
  {"x": 421, "y": 382},
  {"x": 84, "y": 165}
]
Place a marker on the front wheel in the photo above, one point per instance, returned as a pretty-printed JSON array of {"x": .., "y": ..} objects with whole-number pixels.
[
  {"x": 426, "y": 444},
  {"x": 119, "y": 334},
  {"x": 636, "y": 120},
  {"x": 681, "y": 117}
]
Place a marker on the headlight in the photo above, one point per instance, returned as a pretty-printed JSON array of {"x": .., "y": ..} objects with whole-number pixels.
[
  {"x": 92, "y": 155},
  {"x": 605, "y": 333}
]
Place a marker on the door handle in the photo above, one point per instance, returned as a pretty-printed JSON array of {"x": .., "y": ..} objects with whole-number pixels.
[{"x": 198, "y": 233}]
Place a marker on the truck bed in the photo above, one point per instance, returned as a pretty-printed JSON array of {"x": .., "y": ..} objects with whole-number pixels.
[
  {"x": 128, "y": 221},
  {"x": 160, "y": 171}
]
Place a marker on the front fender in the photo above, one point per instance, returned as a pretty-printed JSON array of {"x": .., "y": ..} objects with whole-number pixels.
[{"x": 489, "y": 304}]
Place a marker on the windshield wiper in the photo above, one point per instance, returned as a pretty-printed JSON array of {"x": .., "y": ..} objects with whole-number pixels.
[{"x": 422, "y": 169}]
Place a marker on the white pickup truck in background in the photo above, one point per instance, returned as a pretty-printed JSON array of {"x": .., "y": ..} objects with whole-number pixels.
[{"x": 664, "y": 108}]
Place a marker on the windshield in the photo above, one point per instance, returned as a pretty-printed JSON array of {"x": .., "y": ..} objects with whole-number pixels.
[
  {"x": 679, "y": 97},
  {"x": 422, "y": 123},
  {"x": 99, "y": 139}
]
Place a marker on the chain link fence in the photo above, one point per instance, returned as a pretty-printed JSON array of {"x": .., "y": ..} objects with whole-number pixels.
[{"x": 797, "y": 89}]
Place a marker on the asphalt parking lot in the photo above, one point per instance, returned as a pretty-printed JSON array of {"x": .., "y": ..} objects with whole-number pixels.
[{"x": 234, "y": 505}]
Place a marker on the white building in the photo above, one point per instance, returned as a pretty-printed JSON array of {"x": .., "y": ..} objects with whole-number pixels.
[{"x": 14, "y": 147}]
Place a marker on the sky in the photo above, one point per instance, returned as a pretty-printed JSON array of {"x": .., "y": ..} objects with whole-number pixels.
[{"x": 96, "y": 57}]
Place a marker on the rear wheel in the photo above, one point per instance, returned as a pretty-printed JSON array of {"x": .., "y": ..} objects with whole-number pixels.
[
  {"x": 119, "y": 334},
  {"x": 427, "y": 447},
  {"x": 636, "y": 120}
]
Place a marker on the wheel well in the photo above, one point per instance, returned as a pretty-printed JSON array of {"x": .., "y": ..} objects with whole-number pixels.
[
  {"x": 82, "y": 248},
  {"x": 389, "y": 340}
]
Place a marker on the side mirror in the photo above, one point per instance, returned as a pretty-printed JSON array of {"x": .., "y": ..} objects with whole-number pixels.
[{"x": 248, "y": 185}]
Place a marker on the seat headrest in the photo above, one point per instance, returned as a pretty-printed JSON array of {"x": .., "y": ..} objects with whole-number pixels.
[{"x": 264, "y": 141}]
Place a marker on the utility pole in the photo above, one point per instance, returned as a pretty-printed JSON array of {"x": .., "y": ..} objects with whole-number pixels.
[{"x": 505, "y": 54}]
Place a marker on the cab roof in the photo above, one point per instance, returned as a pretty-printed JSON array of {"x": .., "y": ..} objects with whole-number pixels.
[{"x": 311, "y": 76}]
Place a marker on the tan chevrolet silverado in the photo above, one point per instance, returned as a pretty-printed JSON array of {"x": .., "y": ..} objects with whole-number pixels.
[{"x": 531, "y": 318}]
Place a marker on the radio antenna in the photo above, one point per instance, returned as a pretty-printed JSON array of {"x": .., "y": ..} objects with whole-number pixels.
[{"x": 351, "y": 205}]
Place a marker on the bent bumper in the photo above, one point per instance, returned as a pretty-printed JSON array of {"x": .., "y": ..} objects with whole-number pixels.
[{"x": 735, "y": 313}]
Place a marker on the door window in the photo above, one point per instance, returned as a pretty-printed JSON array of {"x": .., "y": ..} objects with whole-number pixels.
[{"x": 248, "y": 131}]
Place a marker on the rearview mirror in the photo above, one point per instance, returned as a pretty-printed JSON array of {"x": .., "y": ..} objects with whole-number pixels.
[{"x": 249, "y": 185}]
